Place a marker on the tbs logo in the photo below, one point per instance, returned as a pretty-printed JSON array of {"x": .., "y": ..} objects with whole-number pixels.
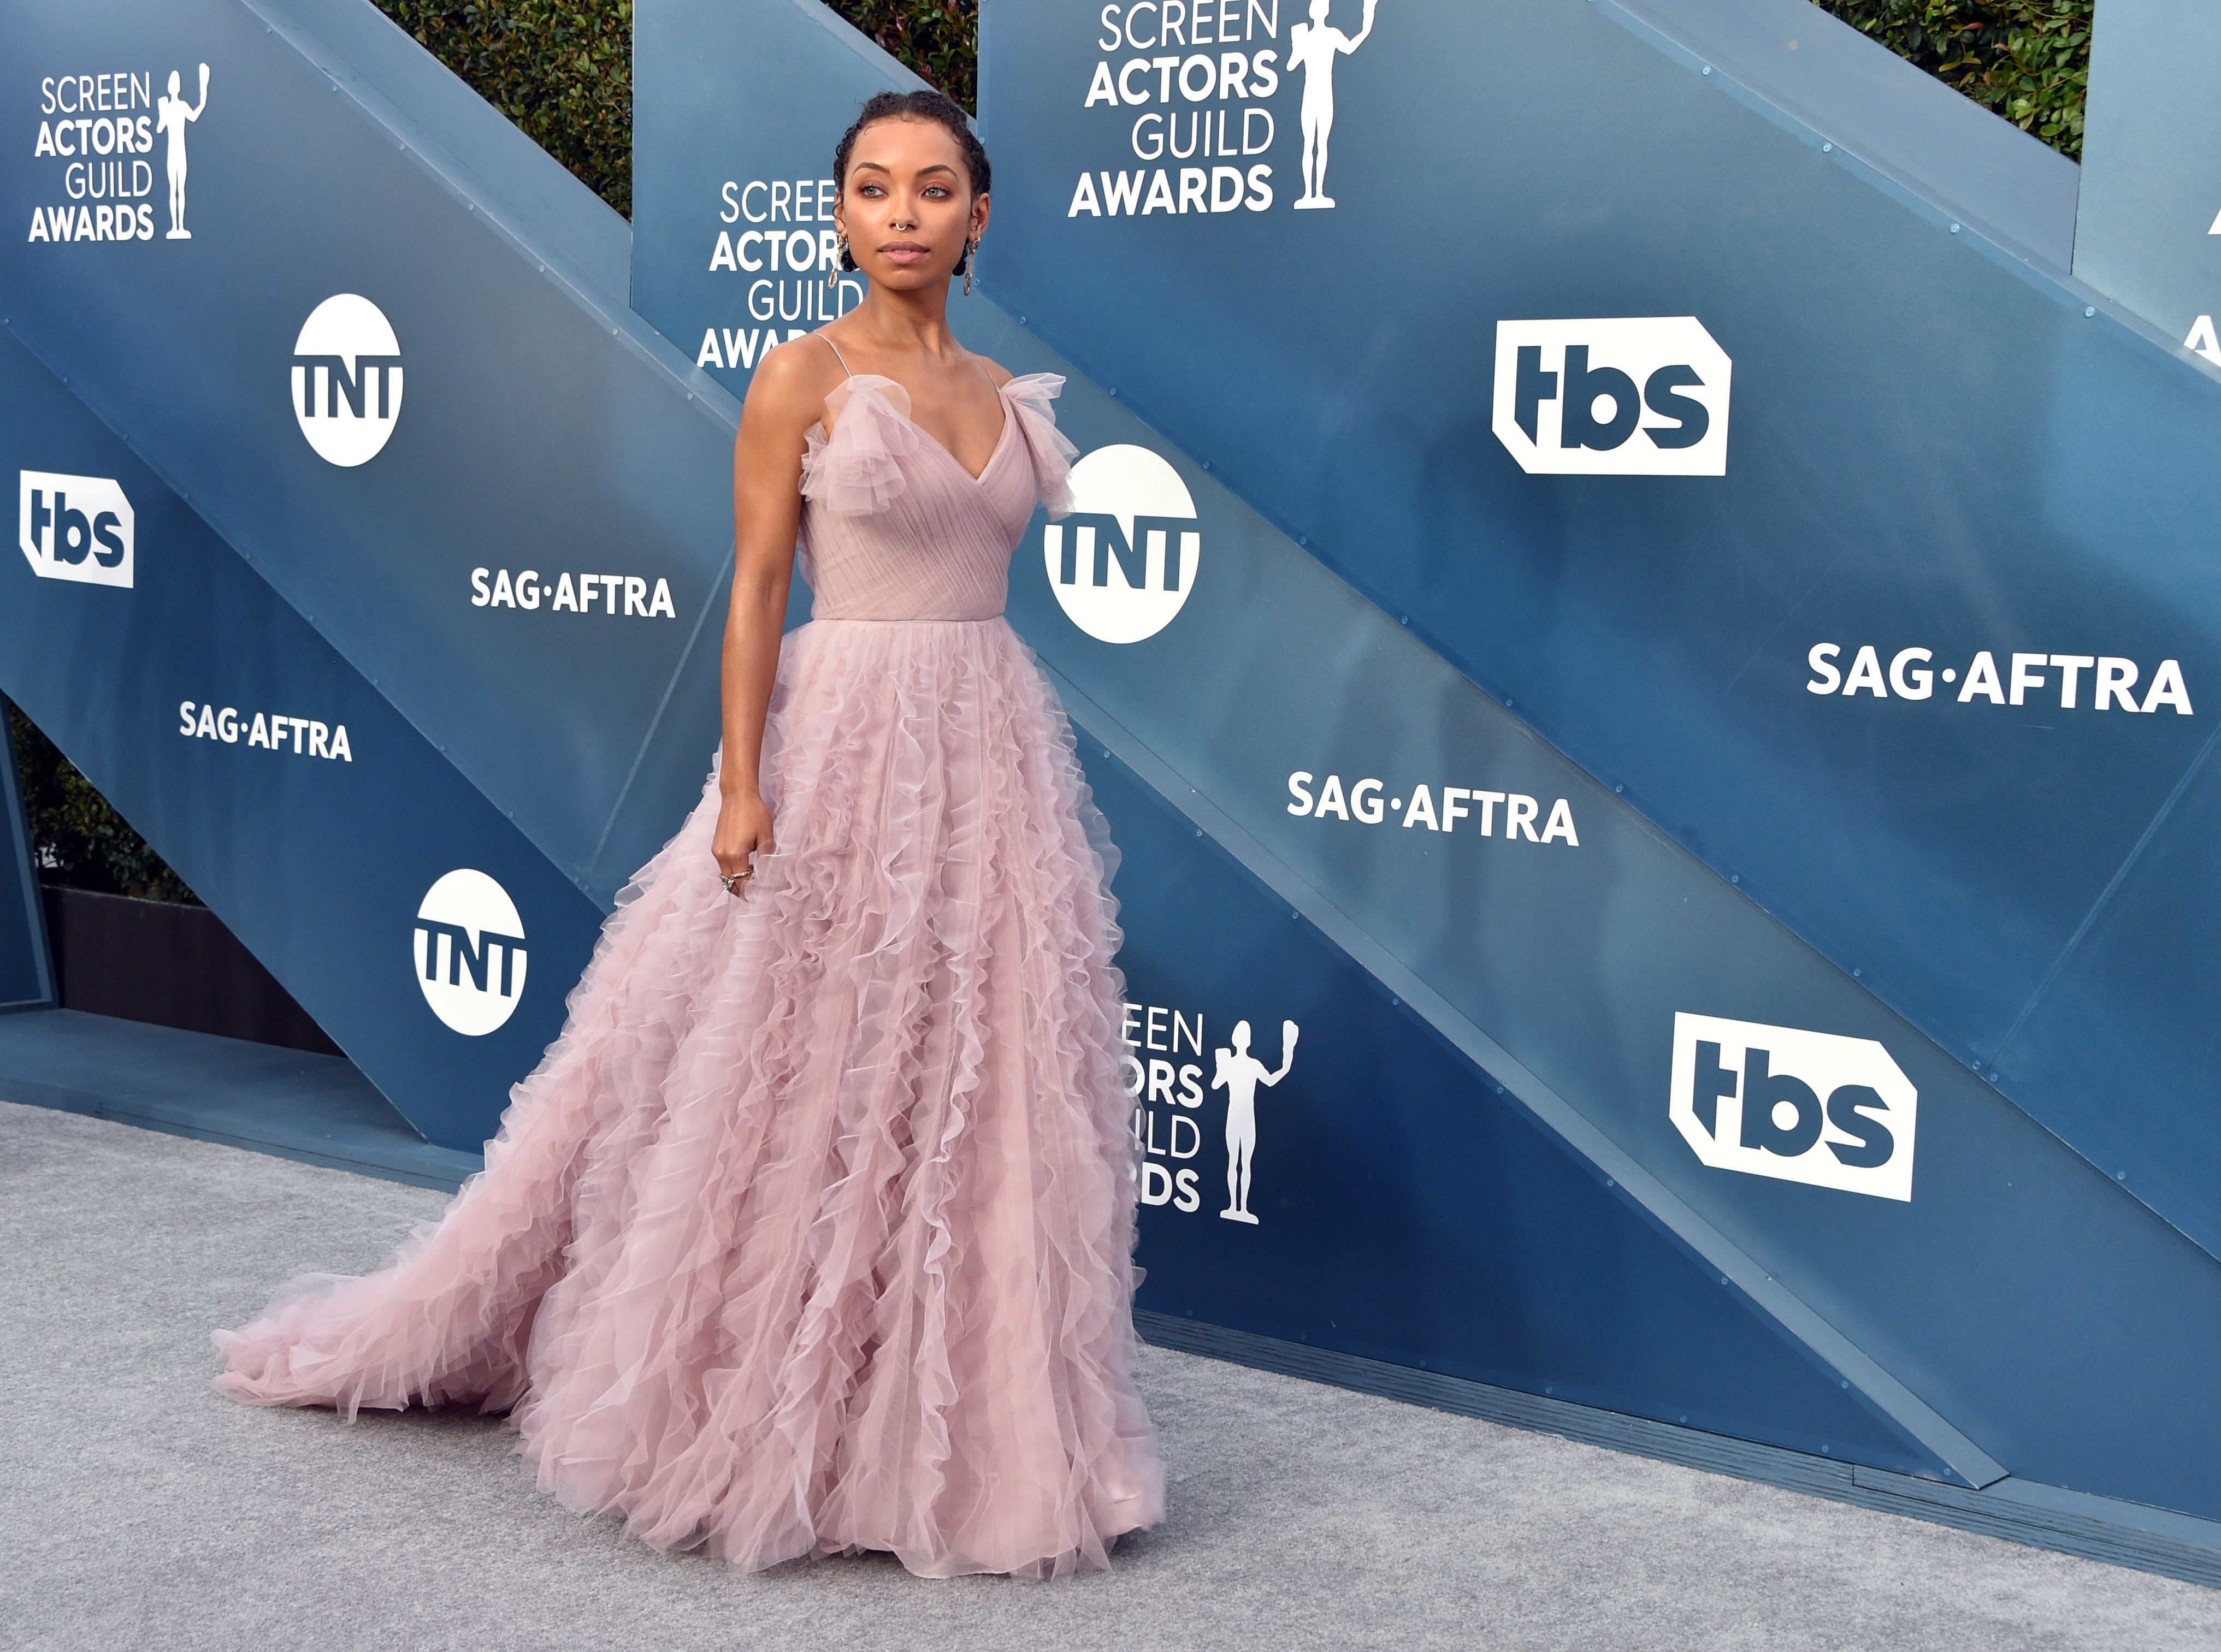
[
  {"x": 75, "y": 528},
  {"x": 1802, "y": 1106},
  {"x": 1640, "y": 396}
]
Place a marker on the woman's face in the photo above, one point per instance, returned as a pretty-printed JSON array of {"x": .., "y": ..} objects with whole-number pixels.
[{"x": 906, "y": 204}]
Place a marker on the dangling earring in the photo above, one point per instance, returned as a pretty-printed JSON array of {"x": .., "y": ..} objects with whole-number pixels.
[
  {"x": 971, "y": 257},
  {"x": 838, "y": 262}
]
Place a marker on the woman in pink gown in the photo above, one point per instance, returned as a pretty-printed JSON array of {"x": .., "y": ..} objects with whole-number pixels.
[{"x": 812, "y": 1233}]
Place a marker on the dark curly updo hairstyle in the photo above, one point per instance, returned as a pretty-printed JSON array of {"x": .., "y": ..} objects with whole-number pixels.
[{"x": 925, "y": 104}]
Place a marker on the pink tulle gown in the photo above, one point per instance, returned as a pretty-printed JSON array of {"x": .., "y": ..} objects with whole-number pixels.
[{"x": 813, "y": 1231}]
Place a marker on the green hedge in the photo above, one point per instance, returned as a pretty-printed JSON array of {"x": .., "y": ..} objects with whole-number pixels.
[
  {"x": 939, "y": 40},
  {"x": 76, "y": 837},
  {"x": 2028, "y": 60},
  {"x": 562, "y": 71}
]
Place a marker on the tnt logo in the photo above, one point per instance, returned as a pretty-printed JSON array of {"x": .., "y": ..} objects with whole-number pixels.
[
  {"x": 1640, "y": 396},
  {"x": 1802, "y": 1106},
  {"x": 470, "y": 952},
  {"x": 75, "y": 528},
  {"x": 346, "y": 379},
  {"x": 1122, "y": 563}
]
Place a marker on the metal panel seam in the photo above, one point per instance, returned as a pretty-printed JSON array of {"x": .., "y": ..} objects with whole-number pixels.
[
  {"x": 1747, "y": 89},
  {"x": 34, "y": 907},
  {"x": 1987, "y": 242},
  {"x": 854, "y": 41},
  {"x": 718, "y": 588},
  {"x": 2196, "y": 766}
]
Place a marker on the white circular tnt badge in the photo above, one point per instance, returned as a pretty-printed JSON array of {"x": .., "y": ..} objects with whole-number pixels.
[
  {"x": 1122, "y": 563},
  {"x": 346, "y": 379},
  {"x": 470, "y": 952}
]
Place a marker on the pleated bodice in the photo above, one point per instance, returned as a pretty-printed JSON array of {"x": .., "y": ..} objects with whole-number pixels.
[{"x": 893, "y": 528}]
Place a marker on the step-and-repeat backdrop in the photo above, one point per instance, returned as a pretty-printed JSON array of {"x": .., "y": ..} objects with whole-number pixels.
[{"x": 1650, "y": 671}]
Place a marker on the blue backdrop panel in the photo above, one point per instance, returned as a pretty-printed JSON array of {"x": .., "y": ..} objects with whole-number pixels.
[
  {"x": 543, "y": 434},
  {"x": 319, "y": 863},
  {"x": 1574, "y": 963},
  {"x": 740, "y": 108},
  {"x": 1558, "y": 968},
  {"x": 1313, "y": 571},
  {"x": 1407, "y": 1210},
  {"x": 1931, "y": 446},
  {"x": 27, "y": 978}
]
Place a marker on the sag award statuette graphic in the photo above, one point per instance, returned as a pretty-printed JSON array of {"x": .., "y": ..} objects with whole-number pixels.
[
  {"x": 1240, "y": 1074},
  {"x": 171, "y": 115},
  {"x": 1314, "y": 46}
]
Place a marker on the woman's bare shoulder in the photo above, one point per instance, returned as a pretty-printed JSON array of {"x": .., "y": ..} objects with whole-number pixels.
[
  {"x": 996, "y": 371},
  {"x": 792, "y": 381}
]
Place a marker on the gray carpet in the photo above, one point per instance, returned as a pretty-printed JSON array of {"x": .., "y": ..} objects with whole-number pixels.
[{"x": 139, "y": 1510}]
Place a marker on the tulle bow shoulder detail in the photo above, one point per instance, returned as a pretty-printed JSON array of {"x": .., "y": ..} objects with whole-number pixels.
[
  {"x": 854, "y": 470},
  {"x": 1029, "y": 396}
]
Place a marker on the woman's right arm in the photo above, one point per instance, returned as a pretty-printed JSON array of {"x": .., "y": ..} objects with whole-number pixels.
[{"x": 784, "y": 399}]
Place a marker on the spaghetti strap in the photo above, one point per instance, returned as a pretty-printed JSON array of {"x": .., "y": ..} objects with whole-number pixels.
[{"x": 836, "y": 348}]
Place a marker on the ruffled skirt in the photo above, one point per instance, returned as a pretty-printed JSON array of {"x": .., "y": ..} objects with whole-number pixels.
[{"x": 813, "y": 1231}]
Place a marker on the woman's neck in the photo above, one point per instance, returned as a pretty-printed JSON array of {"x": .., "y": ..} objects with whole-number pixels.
[{"x": 906, "y": 323}]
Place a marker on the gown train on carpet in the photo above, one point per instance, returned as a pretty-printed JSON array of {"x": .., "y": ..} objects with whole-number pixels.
[{"x": 813, "y": 1231}]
